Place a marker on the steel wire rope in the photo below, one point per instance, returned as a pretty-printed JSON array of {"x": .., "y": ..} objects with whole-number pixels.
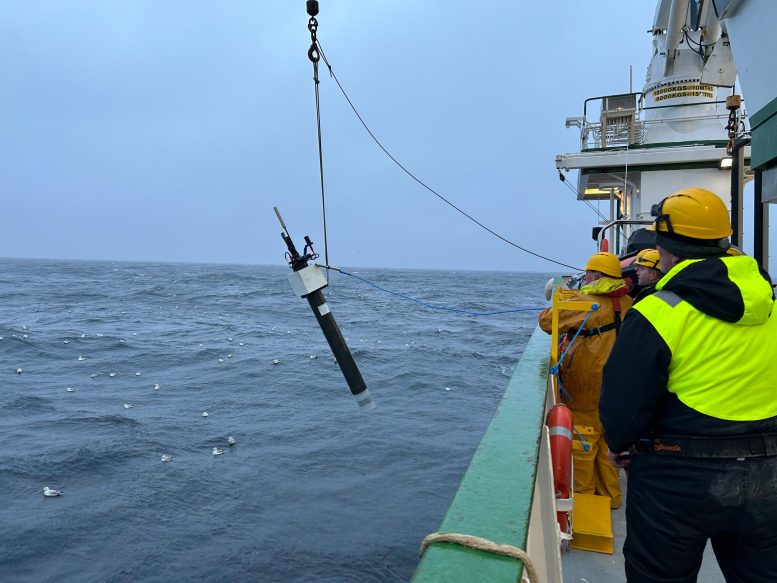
[
  {"x": 595, "y": 209},
  {"x": 313, "y": 56},
  {"x": 573, "y": 189},
  {"x": 419, "y": 181}
]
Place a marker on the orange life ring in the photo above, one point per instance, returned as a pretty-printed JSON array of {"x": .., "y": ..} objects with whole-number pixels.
[{"x": 560, "y": 430}]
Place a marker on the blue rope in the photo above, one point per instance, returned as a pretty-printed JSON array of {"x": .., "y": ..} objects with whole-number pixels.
[
  {"x": 586, "y": 445},
  {"x": 560, "y": 386},
  {"x": 561, "y": 360},
  {"x": 555, "y": 369},
  {"x": 431, "y": 307}
]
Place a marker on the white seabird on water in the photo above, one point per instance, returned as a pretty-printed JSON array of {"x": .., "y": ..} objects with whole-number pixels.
[
  {"x": 156, "y": 387},
  {"x": 231, "y": 440},
  {"x": 221, "y": 360},
  {"x": 127, "y": 405},
  {"x": 217, "y": 451},
  {"x": 313, "y": 356},
  {"x": 70, "y": 390},
  {"x": 241, "y": 343},
  {"x": 137, "y": 374},
  {"x": 81, "y": 357},
  {"x": 204, "y": 413},
  {"x": 230, "y": 355},
  {"x": 276, "y": 361},
  {"x": 167, "y": 457},
  {"x": 93, "y": 375},
  {"x": 111, "y": 374},
  {"x": 66, "y": 342},
  {"x": 19, "y": 371},
  {"x": 51, "y": 492}
]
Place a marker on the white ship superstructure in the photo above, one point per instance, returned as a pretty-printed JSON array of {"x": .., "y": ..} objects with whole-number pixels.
[{"x": 636, "y": 148}]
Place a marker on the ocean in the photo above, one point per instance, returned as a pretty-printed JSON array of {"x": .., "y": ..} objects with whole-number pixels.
[{"x": 313, "y": 490}]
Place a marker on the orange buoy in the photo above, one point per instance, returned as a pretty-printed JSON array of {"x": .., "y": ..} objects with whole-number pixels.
[{"x": 560, "y": 430}]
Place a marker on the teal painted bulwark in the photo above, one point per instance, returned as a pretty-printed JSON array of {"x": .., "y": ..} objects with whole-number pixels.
[
  {"x": 763, "y": 124},
  {"x": 494, "y": 498}
]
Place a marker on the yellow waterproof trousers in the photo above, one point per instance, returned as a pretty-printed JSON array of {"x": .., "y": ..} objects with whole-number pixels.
[{"x": 594, "y": 474}]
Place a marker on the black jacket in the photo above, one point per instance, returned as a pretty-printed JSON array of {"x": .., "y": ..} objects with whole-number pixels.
[{"x": 635, "y": 402}]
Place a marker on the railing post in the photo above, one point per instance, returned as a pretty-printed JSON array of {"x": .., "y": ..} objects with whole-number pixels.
[
  {"x": 760, "y": 224},
  {"x": 737, "y": 170}
]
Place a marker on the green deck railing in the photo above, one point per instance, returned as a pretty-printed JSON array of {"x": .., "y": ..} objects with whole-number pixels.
[{"x": 495, "y": 496}]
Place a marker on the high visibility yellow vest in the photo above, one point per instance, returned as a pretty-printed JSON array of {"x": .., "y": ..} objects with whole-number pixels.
[{"x": 724, "y": 370}]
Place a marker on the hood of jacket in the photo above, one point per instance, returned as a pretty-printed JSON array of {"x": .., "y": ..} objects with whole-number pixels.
[
  {"x": 732, "y": 289},
  {"x": 606, "y": 286}
]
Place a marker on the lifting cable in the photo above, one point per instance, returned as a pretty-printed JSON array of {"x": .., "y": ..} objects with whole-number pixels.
[
  {"x": 573, "y": 189},
  {"x": 316, "y": 53},
  {"x": 314, "y": 56},
  {"x": 592, "y": 207}
]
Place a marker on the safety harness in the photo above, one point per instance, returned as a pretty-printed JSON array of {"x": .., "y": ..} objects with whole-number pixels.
[{"x": 615, "y": 325}]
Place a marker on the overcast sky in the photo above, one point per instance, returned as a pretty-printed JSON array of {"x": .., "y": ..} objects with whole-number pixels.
[{"x": 167, "y": 130}]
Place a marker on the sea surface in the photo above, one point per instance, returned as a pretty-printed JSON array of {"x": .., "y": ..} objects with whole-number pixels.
[{"x": 313, "y": 490}]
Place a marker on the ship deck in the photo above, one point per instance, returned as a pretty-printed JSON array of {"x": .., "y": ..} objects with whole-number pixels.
[
  {"x": 507, "y": 496},
  {"x": 587, "y": 567}
]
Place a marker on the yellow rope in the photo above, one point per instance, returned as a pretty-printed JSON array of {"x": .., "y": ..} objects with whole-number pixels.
[{"x": 482, "y": 544}]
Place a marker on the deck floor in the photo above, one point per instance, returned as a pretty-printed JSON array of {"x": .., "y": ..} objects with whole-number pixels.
[{"x": 588, "y": 567}]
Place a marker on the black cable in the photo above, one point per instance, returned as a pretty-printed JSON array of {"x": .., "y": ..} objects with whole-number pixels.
[
  {"x": 411, "y": 175},
  {"x": 321, "y": 166},
  {"x": 698, "y": 43},
  {"x": 701, "y": 45},
  {"x": 596, "y": 210},
  {"x": 573, "y": 189},
  {"x": 314, "y": 57}
]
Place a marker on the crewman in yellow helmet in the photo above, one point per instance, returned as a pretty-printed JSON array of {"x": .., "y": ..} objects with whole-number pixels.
[
  {"x": 689, "y": 399},
  {"x": 646, "y": 263},
  {"x": 580, "y": 372}
]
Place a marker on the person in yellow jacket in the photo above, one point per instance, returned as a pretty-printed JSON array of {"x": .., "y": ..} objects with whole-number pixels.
[
  {"x": 580, "y": 372},
  {"x": 689, "y": 395}
]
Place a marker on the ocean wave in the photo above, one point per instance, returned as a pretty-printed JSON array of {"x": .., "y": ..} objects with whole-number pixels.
[
  {"x": 56, "y": 465},
  {"x": 302, "y": 448},
  {"x": 89, "y": 423},
  {"x": 28, "y": 405}
]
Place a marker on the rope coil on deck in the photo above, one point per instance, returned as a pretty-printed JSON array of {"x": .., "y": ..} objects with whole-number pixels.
[{"x": 482, "y": 544}]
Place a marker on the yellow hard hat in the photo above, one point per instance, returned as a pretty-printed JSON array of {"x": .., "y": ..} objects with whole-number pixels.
[
  {"x": 607, "y": 263},
  {"x": 695, "y": 213},
  {"x": 647, "y": 258}
]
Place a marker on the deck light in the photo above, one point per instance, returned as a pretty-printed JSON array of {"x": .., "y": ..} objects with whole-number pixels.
[{"x": 726, "y": 162}]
